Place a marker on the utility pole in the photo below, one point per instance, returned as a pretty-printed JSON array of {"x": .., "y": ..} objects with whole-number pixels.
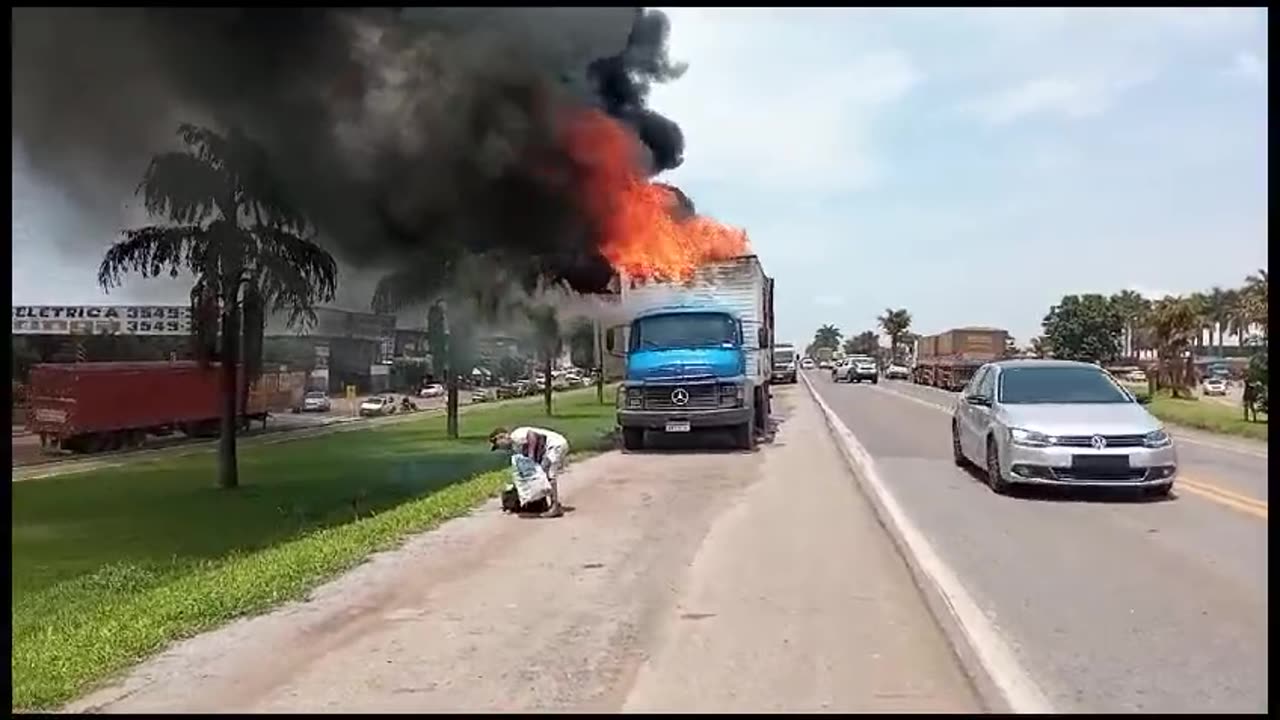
[{"x": 599, "y": 343}]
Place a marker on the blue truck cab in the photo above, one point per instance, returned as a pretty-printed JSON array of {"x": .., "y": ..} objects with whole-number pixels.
[{"x": 697, "y": 363}]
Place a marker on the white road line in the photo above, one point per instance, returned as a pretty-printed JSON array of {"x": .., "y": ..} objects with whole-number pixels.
[
  {"x": 1020, "y": 692},
  {"x": 1180, "y": 436}
]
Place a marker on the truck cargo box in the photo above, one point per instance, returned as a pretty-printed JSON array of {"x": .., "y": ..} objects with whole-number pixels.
[{"x": 117, "y": 403}]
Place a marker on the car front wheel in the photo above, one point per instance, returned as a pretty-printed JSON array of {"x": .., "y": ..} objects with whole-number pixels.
[
  {"x": 995, "y": 476},
  {"x": 957, "y": 454}
]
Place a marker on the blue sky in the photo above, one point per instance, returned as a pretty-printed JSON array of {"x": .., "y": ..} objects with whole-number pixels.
[
  {"x": 970, "y": 166},
  {"x": 974, "y": 166}
]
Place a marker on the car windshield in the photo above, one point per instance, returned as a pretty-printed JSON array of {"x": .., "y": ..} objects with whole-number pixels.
[
  {"x": 1067, "y": 385},
  {"x": 685, "y": 330},
  {"x": 315, "y": 396}
]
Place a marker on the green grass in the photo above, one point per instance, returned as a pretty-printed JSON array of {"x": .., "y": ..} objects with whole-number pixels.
[
  {"x": 1206, "y": 415},
  {"x": 110, "y": 566}
]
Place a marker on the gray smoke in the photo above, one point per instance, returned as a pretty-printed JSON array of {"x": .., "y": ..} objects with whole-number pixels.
[{"x": 417, "y": 135}]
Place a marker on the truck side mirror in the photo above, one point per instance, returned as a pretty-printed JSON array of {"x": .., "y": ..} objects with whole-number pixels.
[
  {"x": 763, "y": 337},
  {"x": 611, "y": 342}
]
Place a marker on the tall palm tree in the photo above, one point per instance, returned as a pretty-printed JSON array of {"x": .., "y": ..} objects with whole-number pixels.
[
  {"x": 1237, "y": 315},
  {"x": 1198, "y": 303},
  {"x": 1218, "y": 313},
  {"x": 1255, "y": 298},
  {"x": 1174, "y": 324},
  {"x": 827, "y": 336},
  {"x": 228, "y": 223},
  {"x": 1132, "y": 307},
  {"x": 894, "y": 323}
]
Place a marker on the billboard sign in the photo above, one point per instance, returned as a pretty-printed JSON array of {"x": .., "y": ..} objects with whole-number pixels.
[{"x": 101, "y": 320}]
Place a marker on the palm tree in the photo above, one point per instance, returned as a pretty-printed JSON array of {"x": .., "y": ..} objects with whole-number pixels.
[
  {"x": 1132, "y": 308},
  {"x": 228, "y": 224},
  {"x": 827, "y": 336},
  {"x": 1237, "y": 315},
  {"x": 1218, "y": 312},
  {"x": 1198, "y": 303},
  {"x": 1174, "y": 324},
  {"x": 1255, "y": 298},
  {"x": 894, "y": 323}
]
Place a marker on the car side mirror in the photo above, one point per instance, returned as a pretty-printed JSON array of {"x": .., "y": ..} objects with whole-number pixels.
[
  {"x": 979, "y": 400},
  {"x": 1142, "y": 399}
]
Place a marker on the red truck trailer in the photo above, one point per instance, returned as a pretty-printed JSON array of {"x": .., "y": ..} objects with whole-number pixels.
[
  {"x": 948, "y": 360},
  {"x": 89, "y": 407}
]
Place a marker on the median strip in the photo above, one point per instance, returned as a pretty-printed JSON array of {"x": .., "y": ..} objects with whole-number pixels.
[{"x": 111, "y": 565}]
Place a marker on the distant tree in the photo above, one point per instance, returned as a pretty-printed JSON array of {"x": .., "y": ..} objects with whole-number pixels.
[
  {"x": 1174, "y": 324},
  {"x": 1254, "y": 299},
  {"x": 864, "y": 343},
  {"x": 1084, "y": 327},
  {"x": 228, "y": 223},
  {"x": 1010, "y": 346},
  {"x": 581, "y": 339},
  {"x": 827, "y": 336},
  {"x": 1133, "y": 309},
  {"x": 894, "y": 323},
  {"x": 1040, "y": 347}
]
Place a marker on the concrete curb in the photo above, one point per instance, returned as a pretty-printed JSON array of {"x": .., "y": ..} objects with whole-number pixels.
[{"x": 987, "y": 686}]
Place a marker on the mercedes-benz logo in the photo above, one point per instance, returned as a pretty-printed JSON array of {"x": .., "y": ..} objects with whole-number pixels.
[
  {"x": 1098, "y": 442},
  {"x": 679, "y": 396}
]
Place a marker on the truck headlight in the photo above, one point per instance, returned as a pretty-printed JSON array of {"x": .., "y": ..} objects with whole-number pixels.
[
  {"x": 730, "y": 395},
  {"x": 1156, "y": 439},
  {"x": 635, "y": 398},
  {"x": 1030, "y": 438}
]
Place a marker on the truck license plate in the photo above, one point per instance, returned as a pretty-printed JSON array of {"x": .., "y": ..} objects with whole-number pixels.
[{"x": 678, "y": 426}]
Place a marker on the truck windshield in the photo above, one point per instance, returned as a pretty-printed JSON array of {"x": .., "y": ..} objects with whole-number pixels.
[
  {"x": 685, "y": 330},
  {"x": 783, "y": 355}
]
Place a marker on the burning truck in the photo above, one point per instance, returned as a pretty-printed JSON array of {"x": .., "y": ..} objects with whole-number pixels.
[{"x": 698, "y": 352}]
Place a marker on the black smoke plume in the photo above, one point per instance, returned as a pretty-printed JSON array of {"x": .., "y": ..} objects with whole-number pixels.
[{"x": 407, "y": 134}]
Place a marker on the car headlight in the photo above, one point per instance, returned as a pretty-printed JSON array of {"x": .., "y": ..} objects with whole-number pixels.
[
  {"x": 1156, "y": 439},
  {"x": 1029, "y": 438}
]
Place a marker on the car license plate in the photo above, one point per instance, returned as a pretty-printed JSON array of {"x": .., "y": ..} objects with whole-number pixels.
[
  {"x": 1100, "y": 463},
  {"x": 678, "y": 426}
]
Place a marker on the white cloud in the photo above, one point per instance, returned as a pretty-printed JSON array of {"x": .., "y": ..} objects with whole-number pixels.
[
  {"x": 751, "y": 120},
  {"x": 1249, "y": 66},
  {"x": 1075, "y": 97}
]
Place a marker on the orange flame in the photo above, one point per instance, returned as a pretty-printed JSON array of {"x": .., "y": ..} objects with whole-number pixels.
[{"x": 640, "y": 225}]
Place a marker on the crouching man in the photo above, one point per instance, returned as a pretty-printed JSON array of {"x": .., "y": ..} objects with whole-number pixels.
[{"x": 546, "y": 447}]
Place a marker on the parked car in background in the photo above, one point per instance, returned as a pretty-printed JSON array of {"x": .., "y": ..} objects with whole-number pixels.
[
  {"x": 1215, "y": 386},
  {"x": 897, "y": 372},
  {"x": 1136, "y": 376},
  {"x": 434, "y": 390},
  {"x": 378, "y": 405},
  {"x": 484, "y": 395},
  {"x": 315, "y": 401}
]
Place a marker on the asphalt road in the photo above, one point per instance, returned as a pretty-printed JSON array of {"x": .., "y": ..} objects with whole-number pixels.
[
  {"x": 1109, "y": 604},
  {"x": 699, "y": 581}
]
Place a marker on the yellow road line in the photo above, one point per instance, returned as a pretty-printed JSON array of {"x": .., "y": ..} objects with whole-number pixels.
[{"x": 1235, "y": 501}]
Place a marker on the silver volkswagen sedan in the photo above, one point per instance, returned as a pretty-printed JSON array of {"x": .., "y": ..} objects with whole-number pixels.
[{"x": 1055, "y": 422}]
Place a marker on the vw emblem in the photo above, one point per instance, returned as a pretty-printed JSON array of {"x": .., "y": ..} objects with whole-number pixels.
[
  {"x": 1098, "y": 442},
  {"x": 679, "y": 396}
]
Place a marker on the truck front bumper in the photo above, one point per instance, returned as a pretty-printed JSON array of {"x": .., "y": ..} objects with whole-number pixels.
[{"x": 658, "y": 419}]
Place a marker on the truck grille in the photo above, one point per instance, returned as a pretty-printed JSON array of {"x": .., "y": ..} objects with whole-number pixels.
[
  {"x": 701, "y": 396},
  {"x": 1117, "y": 441}
]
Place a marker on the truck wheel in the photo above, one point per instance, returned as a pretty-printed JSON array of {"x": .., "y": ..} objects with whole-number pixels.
[
  {"x": 744, "y": 435},
  {"x": 875, "y": 381},
  {"x": 632, "y": 438}
]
